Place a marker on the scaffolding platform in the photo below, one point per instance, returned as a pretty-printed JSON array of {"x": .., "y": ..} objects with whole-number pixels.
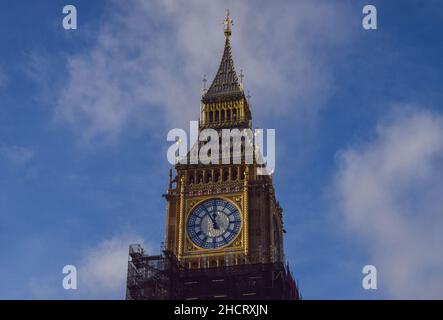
[{"x": 162, "y": 277}]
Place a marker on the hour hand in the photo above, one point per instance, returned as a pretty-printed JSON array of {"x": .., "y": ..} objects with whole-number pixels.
[{"x": 214, "y": 221}]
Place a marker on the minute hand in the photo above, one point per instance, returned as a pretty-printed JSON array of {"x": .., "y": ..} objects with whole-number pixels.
[
  {"x": 210, "y": 217},
  {"x": 214, "y": 221}
]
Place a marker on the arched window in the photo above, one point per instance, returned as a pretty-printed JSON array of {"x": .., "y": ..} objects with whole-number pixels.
[
  {"x": 210, "y": 116},
  {"x": 225, "y": 174},
  {"x": 199, "y": 177},
  {"x": 216, "y": 176},
  {"x": 234, "y": 174}
]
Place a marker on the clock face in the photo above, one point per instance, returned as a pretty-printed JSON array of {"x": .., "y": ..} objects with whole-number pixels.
[{"x": 214, "y": 224}]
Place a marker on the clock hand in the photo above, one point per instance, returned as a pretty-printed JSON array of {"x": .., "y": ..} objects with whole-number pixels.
[
  {"x": 210, "y": 217},
  {"x": 214, "y": 221}
]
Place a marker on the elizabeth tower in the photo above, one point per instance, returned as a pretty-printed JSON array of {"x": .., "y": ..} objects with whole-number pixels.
[
  {"x": 221, "y": 214},
  {"x": 224, "y": 225}
]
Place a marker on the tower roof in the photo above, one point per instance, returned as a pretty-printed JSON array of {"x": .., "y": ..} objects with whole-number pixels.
[{"x": 225, "y": 84}]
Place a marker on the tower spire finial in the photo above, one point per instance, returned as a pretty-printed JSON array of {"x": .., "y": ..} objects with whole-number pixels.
[
  {"x": 204, "y": 80},
  {"x": 228, "y": 23}
]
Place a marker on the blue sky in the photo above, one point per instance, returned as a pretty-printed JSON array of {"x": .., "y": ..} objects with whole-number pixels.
[{"x": 84, "y": 116}]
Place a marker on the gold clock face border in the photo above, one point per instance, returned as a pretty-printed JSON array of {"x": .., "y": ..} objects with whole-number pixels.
[{"x": 213, "y": 250}]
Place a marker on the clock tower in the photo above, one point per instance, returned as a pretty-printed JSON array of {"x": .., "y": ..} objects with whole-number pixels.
[
  {"x": 224, "y": 225},
  {"x": 223, "y": 214}
]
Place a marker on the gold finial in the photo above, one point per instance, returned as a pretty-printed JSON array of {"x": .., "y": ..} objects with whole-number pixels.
[{"x": 228, "y": 23}]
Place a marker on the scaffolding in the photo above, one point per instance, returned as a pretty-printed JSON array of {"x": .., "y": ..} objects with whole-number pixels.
[
  {"x": 163, "y": 277},
  {"x": 150, "y": 277}
]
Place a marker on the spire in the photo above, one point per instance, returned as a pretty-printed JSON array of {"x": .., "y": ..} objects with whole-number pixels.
[{"x": 226, "y": 83}]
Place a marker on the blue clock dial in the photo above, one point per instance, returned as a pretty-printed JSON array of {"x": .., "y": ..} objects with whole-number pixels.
[{"x": 214, "y": 224}]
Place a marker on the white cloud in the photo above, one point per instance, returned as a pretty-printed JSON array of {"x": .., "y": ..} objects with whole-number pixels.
[
  {"x": 102, "y": 273},
  {"x": 16, "y": 154},
  {"x": 146, "y": 66},
  {"x": 390, "y": 193}
]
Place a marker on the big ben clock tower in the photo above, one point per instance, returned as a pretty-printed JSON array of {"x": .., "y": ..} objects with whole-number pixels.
[
  {"x": 223, "y": 221},
  {"x": 225, "y": 213}
]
